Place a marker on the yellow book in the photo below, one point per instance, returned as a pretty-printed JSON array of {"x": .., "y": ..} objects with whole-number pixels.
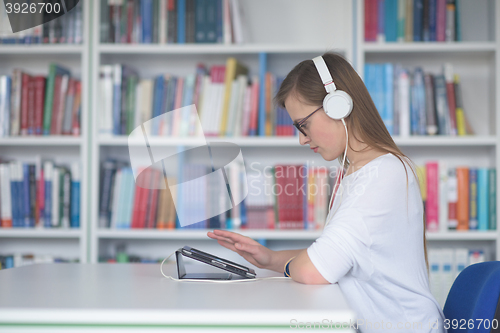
[
  {"x": 459, "y": 110},
  {"x": 233, "y": 69},
  {"x": 422, "y": 179}
]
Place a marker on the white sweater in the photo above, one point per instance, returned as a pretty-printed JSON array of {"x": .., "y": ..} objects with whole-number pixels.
[{"x": 373, "y": 248}]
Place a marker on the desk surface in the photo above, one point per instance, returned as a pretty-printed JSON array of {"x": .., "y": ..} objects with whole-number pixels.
[{"x": 137, "y": 294}]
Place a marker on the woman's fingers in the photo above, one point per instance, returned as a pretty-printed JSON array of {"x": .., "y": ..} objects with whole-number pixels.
[
  {"x": 229, "y": 234},
  {"x": 213, "y": 236},
  {"x": 252, "y": 249}
]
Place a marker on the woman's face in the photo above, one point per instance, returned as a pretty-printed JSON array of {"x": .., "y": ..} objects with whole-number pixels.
[{"x": 325, "y": 135}]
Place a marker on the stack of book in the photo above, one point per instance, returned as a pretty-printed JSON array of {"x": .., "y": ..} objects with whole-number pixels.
[
  {"x": 412, "y": 20},
  {"x": 19, "y": 260},
  {"x": 39, "y": 105},
  {"x": 39, "y": 195},
  {"x": 461, "y": 198},
  {"x": 444, "y": 266},
  {"x": 59, "y": 29},
  {"x": 417, "y": 103},
  {"x": 229, "y": 102},
  {"x": 172, "y": 21}
]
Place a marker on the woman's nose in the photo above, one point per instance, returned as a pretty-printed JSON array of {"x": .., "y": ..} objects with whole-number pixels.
[{"x": 303, "y": 139}]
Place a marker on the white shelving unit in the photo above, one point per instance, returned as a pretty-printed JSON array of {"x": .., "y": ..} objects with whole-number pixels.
[
  {"x": 286, "y": 42},
  {"x": 478, "y": 63},
  {"x": 35, "y": 59}
]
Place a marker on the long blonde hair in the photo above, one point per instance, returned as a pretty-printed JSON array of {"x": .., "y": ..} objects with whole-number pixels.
[{"x": 364, "y": 121}]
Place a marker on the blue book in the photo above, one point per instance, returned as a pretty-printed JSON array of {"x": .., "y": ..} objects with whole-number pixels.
[
  {"x": 13, "y": 194},
  {"x": 219, "y": 19},
  {"x": 211, "y": 21},
  {"x": 391, "y": 20},
  {"x": 147, "y": 21},
  {"x": 432, "y": 20},
  {"x": 388, "y": 113},
  {"x": 482, "y": 198},
  {"x": 48, "y": 196},
  {"x": 378, "y": 84},
  {"x": 26, "y": 197},
  {"x": 262, "y": 93},
  {"x": 492, "y": 179},
  {"x": 201, "y": 21},
  {"x": 9, "y": 262},
  {"x": 458, "y": 28},
  {"x": 473, "y": 223},
  {"x": 75, "y": 197},
  {"x": 127, "y": 173},
  {"x": 418, "y": 16},
  {"x": 181, "y": 21}
]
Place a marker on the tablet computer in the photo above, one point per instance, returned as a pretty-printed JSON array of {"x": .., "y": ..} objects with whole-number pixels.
[{"x": 211, "y": 260}]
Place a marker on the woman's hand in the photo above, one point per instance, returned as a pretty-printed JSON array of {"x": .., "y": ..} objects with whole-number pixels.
[{"x": 256, "y": 254}]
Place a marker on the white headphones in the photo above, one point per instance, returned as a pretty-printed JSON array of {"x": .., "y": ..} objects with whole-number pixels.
[{"x": 337, "y": 103}]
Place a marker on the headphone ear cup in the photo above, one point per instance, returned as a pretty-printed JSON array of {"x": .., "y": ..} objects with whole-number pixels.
[{"x": 337, "y": 104}]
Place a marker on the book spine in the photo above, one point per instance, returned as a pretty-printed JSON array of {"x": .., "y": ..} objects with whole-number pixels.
[
  {"x": 492, "y": 197},
  {"x": 473, "y": 197},
  {"x": 463, "y": 198},
  {"x": 452, "y": 199},
  {"x": 181, "y": 21},
  {"x": 371, "y": 24},
  {"x": 482, "y": 198},
  {"x": 450, "y": 21},
  {"x": 432, "y": 202}
]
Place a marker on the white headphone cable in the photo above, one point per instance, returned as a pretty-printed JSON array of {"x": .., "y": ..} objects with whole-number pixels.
[
  {"x": 215, "y": 281},
  {"x": 342, "y": 175}
]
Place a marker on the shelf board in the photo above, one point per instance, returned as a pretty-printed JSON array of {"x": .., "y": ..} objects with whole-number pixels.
[
  {"x": 429, "y": 47},
  {"x": 202, "y": 234},
  {"x": 293, "y": 141},
  {"x": 463, "y": 235},
  {"x": 53, "y": 140},
  {"x": 183, "y": 141},
  {"x": 41, "y": 49},
  {"x": 441, "y": 140},
  {"x": 39, "y": 233},
  {"x": 210, "y": 48},
  {"x": 270, "y": 234}
]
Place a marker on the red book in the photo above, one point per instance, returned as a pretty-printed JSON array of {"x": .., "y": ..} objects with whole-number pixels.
[
  {"x": 371, "y": 20},
  {"x": 130, "y": 20},
  {"x": 39, "y": 103},
  {"x": 77, "y": 108},
  {"x": 137, "y": 198},
  {"x": 151, "y": 215},
  {"x": 24, "y": 103},
  {"x": 31, "y": 106},
  {"x": 450, "y": 93},
  {"x": 441, "y": 20},
  {"x": 254, "y": 108},
  {"x": 141, "y": 216},
  {"x": 432, "y": 202}
]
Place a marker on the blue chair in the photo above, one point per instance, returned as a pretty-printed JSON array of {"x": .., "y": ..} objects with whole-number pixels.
[{"x": 475, "y": 294}]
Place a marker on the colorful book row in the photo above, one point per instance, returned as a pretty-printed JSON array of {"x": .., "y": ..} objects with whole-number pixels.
[
  {"x": 172, "y": 21},
  {"x": 19, "y": 260},
  {"x": 39, "y": 105},
  {"x": 228, "y": 102},
  {"x": 445, "y": 264},
  {"x": 59, "y": 28},
  {"x": 412, "y": 20},
  {"x": 417, "y": 103},
  {"x": 303, "y": 205},
  {"x": 39, "y": 195},
  {"x": 461, "y": 198}
]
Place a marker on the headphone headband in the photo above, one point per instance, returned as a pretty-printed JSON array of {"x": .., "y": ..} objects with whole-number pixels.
[{"x": 324, "y": 73}]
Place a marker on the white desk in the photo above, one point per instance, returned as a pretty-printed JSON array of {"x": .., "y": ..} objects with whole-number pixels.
[{"x": 136, "y": 297}]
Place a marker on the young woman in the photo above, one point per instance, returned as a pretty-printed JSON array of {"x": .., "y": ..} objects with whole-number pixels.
[{"x": 373, "y": 243}]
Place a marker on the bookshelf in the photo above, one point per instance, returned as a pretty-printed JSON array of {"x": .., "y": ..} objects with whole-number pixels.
[
  {"x": 476, "y": 59},
  {"x": 35, "y": 59},
  {"x": 285, "y": 42}
]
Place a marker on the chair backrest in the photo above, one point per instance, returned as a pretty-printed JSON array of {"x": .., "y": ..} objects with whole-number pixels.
[{"x": 474, "y": 299}]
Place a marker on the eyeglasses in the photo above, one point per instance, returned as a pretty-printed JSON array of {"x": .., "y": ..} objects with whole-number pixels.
[{"x": 299, "y": 124}]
